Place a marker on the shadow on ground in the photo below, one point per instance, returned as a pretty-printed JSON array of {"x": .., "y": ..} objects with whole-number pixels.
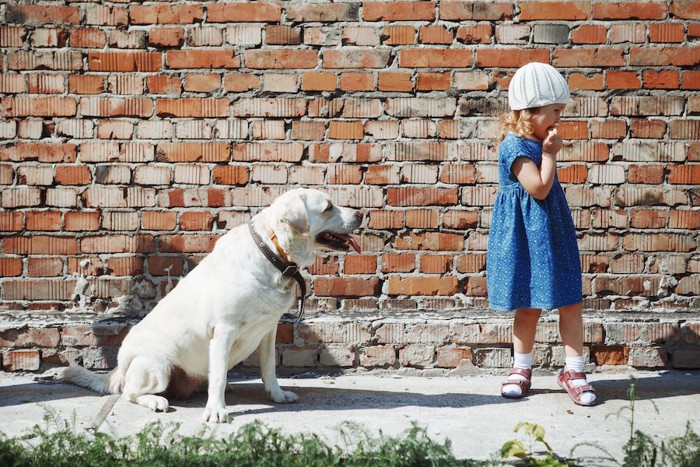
[{"x": 391, "y": 395}]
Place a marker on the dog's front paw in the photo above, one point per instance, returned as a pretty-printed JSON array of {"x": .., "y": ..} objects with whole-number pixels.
[
  {"x": 153, "y": 402},
  {"x": 215, "y": 415},
  {"x": 283, "y": 397}
]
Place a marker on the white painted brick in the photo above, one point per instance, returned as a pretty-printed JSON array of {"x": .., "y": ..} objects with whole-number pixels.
[{"x": 192, "y": 174}]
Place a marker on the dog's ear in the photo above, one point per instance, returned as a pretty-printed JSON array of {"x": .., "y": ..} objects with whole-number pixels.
[{"x": 296, "y": 216}]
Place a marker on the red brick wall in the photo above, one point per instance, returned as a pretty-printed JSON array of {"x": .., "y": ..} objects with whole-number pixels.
[{"x": 132, "y": 135}]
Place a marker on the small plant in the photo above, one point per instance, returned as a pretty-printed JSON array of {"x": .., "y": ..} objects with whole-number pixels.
[
  {"x": 683, "y": 451},
  {"x": 415, "y": 448},
  {"x": 642, "y": 451},
  {"x": 527, "y": 455}
]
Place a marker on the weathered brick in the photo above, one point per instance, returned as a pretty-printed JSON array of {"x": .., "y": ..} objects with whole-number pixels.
[
  {"x": 166, "y": 14},
  {"x": 493, "y": 358},
  {"x": 39, "y": 107},
  {"x": 332, "y": 12},
  {"x": 29, "y": 337},
  {"x": 647, "y": 357},
  {"x": 244, "y": 12},
  {"x": 300, "y": 357},
  {"x": 351, "y": 59},
  {"x": 21, "y": 360},
  {"x": 346, "y": 287},
  {"x": 640, "y": 333},
  {"x": 417, "y": 355},
  {"x": 356, "y": 81},
  {"x": 435, "y": 58},
  {"x": 125, "y": 61},
  {"x": 313, "y": 81},
  {"x": 480, "y": 33},
  {"x": 378, "y": 356},
  {"x": 399, "y": 82},
  {"x": 116, "y": 107},
  {"x": 425, "y": 285},
  {"x": 280, "y": 59},
  {"x": 398, "y": 11},
  {"x": 398, "y": 35},
  {"x": 629, "y": 10},
  {"x": 209, "y": 59},
  {"x": 452, "y": 356},
  {"x": 39, "y": 15},
  {"x": 333, "y": 332},
  {"x": 610, "y": 355},
  {"x": 477, "y": 11},
  {"x": 120, "y": 39},
  {"x": 337, "y": 356}
]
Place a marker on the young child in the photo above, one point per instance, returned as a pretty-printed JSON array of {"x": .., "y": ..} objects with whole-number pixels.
[{"x": 533, "y": 261}]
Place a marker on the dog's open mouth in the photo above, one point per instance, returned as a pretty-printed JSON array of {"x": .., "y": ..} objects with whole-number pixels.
[{"x": 337, "y": 241}]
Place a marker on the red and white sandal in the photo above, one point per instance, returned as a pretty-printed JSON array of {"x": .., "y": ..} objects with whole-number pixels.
[
  {"x": 565, "y": 381},
  {"x": 524, "y": 385}
]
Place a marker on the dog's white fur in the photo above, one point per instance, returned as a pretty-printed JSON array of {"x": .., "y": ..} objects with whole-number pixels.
[{"x": 222, "y": 311}]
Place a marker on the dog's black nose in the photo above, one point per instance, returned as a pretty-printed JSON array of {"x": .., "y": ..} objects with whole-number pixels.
[{"x": 360, "y": 215}]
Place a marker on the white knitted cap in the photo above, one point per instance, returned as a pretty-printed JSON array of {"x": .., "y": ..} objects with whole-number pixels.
[{"x": 536, "y": 85}]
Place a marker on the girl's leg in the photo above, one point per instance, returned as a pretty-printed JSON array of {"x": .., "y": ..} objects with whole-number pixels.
[
  {"x": 524, "y": 329},
  {"x": 571, "y": 331}
]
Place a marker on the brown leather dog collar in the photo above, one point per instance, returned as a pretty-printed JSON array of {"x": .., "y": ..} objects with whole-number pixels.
[{"x": 287, "y": 268}]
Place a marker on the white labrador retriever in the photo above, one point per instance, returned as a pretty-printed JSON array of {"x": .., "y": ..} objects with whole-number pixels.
[{"x": 225, "y": 309}]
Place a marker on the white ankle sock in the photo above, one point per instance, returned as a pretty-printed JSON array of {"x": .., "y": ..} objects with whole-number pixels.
[
  {"x": 522, "y": 361},
  {"x": 576, "y": 364}
]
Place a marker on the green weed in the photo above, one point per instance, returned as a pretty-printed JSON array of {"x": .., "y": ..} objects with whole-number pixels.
[
  {"x": 526, "y": 453},
  {"x": 59, "y": 444}
]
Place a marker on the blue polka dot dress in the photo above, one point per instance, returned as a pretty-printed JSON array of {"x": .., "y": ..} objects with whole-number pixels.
[{"x": 532, "y": 259}]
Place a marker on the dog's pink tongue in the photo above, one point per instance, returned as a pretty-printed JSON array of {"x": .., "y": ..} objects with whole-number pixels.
[{"x": 354, "y": 244}]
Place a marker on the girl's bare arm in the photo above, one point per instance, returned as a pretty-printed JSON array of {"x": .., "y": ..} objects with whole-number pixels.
[{"x": 536, "y": 181}]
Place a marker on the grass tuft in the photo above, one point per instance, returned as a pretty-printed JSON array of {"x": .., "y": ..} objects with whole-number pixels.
[{"x": 59, "y": 444}]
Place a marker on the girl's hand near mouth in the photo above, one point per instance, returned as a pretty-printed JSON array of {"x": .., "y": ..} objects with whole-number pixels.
[{"x": 552, "y": 144}]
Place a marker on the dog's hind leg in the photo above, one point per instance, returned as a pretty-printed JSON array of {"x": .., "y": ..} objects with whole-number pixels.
[
  {"x": 266, "y": 352},
  {"x": 146, "y": 377}
]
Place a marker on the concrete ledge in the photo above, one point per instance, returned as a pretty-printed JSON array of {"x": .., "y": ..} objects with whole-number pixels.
[{"x": 416, "y": 340}]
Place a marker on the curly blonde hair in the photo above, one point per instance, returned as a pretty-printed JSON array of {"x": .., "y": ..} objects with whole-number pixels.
[{"x": 517, "y": 121}]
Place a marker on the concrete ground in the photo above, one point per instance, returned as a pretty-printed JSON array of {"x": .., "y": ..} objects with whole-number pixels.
[{"x": 467, "y": 409}]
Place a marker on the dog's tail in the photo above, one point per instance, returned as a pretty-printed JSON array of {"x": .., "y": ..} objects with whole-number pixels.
[{"x": 104, "y": 383}]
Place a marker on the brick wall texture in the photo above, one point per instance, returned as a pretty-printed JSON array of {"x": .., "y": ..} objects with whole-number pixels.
[{"x": 133, "y": 134}]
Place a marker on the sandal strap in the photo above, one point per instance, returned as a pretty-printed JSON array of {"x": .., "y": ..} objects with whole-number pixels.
[
  {"x": 524, "y": 385},
  {"x": 569, "y": 375},
  {"x": 565, "y": 381},
  {"x": 578, "y": 390},
  {"x": 520, "y": 371}
]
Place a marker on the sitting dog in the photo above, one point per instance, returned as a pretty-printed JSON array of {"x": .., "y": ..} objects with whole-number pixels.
[{"x": 226, "y": 308}]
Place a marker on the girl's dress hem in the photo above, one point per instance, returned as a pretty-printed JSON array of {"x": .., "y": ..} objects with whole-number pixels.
[{"x": 535, "y": 306}]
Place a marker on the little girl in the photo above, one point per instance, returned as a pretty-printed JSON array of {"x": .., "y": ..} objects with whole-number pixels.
[{"x": 533, "y": 261}]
